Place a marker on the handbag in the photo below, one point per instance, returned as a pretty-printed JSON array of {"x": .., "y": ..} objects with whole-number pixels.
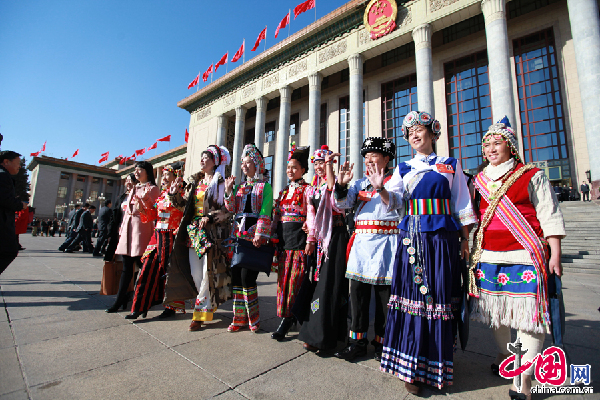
[
  {"x": 111, "y": 276},
  {"x": 246, "y": 255}
]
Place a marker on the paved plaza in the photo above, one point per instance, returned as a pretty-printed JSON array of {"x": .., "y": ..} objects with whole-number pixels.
[{"x": 56, "y": 342}]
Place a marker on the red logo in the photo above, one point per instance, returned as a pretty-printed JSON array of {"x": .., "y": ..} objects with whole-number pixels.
[
  {"x": 380, "y": 17},
  {"x": 550, "y": 366}
]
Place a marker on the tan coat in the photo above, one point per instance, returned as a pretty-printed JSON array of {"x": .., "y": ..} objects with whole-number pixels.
[{"x": 134, "y": 235}]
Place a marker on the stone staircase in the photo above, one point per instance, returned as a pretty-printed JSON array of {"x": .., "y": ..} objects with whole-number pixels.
[{"x": 581, "y": 247}]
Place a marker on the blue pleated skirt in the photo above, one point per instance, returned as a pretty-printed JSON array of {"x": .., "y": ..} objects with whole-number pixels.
[{"x": 419, "y": 340}]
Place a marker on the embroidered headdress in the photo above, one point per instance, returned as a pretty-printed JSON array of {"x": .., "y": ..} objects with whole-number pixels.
[
  {"x": 299, "y": 153},
  {"x": 320, "y": 154},
  {"x": 175, "y": 168},
  {"x": 421, "y": 118},
  {"x": 503, "y": 128},
  {"x": 221, "y": 157},
  {"x": 380, "y": 145},
  {"x": 250, "y": 150}
]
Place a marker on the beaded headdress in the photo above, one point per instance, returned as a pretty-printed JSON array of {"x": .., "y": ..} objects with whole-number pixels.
[
  {"x": 250, "y": 150},
  {"x": 175, "y": 168},
  {"x": 421, "y": 118},
  {"x": 220, "y": 154},
  {"x": 503, "y": 129},
  {"x": 381, "y": 145},
  {"x": 320, "y": 154}
]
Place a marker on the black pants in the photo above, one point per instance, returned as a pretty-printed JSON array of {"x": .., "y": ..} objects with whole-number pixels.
[
  {"x": 126, "y": 277},
  {"x": 586, "y": 196},
  {"x": 102, "y": 242},
  {"x": 84, "y": 237},
  {"x": 6, "y": 259},
  {"x": 243, "y": 277},
  {"x": 360, "y": 301},
  {"x": 70, "y": 236}
]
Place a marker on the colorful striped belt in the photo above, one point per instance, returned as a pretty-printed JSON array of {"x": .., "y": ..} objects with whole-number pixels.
[
  {"x": 377, "y": 227},
  {"x": 428, "y": 206},
  {"x": 293, "y": 218}
]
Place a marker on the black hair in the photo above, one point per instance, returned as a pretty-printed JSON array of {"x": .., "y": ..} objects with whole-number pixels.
[
  {"x": 87, "y": 205},
  {"x": 92, "y": 207},
  {"x": 8, "y": 155},
  {"x": 133, "y": 178},
  {"x": 77, "y": 205},
  {"x": 212, "y": 157},
  {"x": 146, "y": 166},
  {"x": 108, "y": 202},
  {"x": 302, "y": 161}
]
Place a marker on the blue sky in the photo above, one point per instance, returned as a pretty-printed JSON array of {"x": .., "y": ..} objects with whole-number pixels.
[{"x": 106, "y": 75}]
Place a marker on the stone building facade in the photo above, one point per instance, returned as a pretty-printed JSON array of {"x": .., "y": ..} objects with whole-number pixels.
[{"x": 468, "y": 62}]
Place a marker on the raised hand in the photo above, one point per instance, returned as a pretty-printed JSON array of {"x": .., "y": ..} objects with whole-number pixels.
[
  {"x": 345, "y": 175},
  {"x": 375, "y": 176},
  {"x": 229, "y": 182},
  {"x": 175, "y": 185}
]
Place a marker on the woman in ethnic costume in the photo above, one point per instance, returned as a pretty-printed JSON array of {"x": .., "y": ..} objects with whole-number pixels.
[
  {"x": 150, "y": 284},
  {"x": 326, "y": 322},
  {"x": 419, "y": 339},
  {"x": 289, "y": 217},
  {"x": 137, "y": 227},
  {"x": 251, "y": 202},
  {"x": 199, "y": 264},
  {"x": 516, "y": 248}
]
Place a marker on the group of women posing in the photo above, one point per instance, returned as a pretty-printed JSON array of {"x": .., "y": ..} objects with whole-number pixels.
[{"x": 410, "y": 229}]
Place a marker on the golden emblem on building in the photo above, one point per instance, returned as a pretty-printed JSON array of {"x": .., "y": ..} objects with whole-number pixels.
[{"x": 380, "y": 17}]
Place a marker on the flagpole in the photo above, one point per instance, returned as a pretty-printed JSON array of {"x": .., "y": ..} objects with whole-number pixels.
[
  {"x": 265, "y": 48},
  {"x": 244, "y": 52},
  {"x": 198, "y": 85},
  {"x": 289, "y": 21}
]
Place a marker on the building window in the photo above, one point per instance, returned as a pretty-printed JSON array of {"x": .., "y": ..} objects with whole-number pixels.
[
  {"x": 516, "y": 8},
  {"x": 62, "y": 191},
  {"x": 468, "y": 108},
  {"x": 345, "y": 127},
  {"x": 296, "y": 94},
  {"x": 398, "y": 54},
  {"x": 323, "y": 125},
  {"x": 463, "y": 28},
  {"x": 269, "y": 167},
  {"x": 273, "y": 103},
  {"x": 81, "y": 178},
  {"x": 398, "y": 98},
  {"x": 270, "y": 131},
  {"x": 109, "y": 183},
  {"x": 249, "y": 136},
  {"x": 540, "y": 100},
  {"x": 325, "y": 83},
  {"x": 345, "y": 75},
  {"x": 295, "y": 124},
  {"x": 78, "y": 194},
  {"x": 95, "y": 180},
  {"x": 65, "y": 176},
  {"x": 93, "y": 195}
]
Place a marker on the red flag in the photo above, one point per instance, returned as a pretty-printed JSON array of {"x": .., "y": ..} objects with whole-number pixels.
[
  {"x": 104, "y": 158},
  {"x": 284, "y": 22},
  {"x": 187, "y": 135},
  {"x": 44, "y": 147},
  {"x": 123, "y": 160},
  {"x": 165, "y": 139},
  {"x": 74, "y": 154},
  {"x": 35, "y": 154},
  {"x": 261, "y": 36},
  {"x": 302, "y": 7},
  {"x": 222, "y": 61},
  {"x": 133, "y": 156},
  {"x": 153, "y": 146},
  {"x": 207, "y": 73},
  {"x": 194, "y": 82},
  {"x": 140, "y": 152},
  {"x": 238, "y": 54}
]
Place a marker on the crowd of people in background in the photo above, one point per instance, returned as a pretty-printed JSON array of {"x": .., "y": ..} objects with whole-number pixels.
[{"x": 398, "y": 235}]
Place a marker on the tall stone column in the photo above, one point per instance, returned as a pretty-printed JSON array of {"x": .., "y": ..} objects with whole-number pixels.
[
  {"x": 240, "y": 122},
  {"x": 71, "y": 189},
  {"x": 221, "y": 130},
  {"x": 283, "y": 141},
  {"x": 314, "y": 114},
  {"x": 499, "y": 68},
  {"x": 259, "y": 126},
  {"x": 355, "y": 63},
  {"x": 585, "y": 28},
  {"x": 422, "y": 38},
  {"x": 86, "y": 190}
]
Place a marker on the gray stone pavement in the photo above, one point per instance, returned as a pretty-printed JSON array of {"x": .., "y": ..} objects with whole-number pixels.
[{"x": 56, "y": 342}]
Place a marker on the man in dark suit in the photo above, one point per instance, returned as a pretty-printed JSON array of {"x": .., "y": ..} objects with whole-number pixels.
[
  {"x": 585, "y": 191},
  {"x": 103, "y": 220},
  {"x": 10, "y": 164},
  {"x": 83, "y": 231},
  {"x": 74, "y": 218}
]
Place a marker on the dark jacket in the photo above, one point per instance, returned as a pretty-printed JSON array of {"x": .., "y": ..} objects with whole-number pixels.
[
  {"x": 113, "y": 227},
  {"x": 86, "y": 221},
  {"x": 584, "y": 188},
  {"x": 104, "y": 218},
  {"x": 74, "y": 219},
  {"x": 9, "y": 204}
]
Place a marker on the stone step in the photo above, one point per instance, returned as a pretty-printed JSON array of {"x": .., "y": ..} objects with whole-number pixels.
[
  {"x": 581, "y": 256},
  {"x": 580, "y": 261},
  {"x": 580, "y": 270}
]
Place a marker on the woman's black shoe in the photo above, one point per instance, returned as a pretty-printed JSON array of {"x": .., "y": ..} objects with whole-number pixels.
[
  {"x": 516, "y": 395},
  {"x": 167, "y": 313},
  {"x": 284, "y": 328},
  {"x": 112, "y": 309},
  {"x": 135, "y": 315},
  {"x": 495, "y": 369}
]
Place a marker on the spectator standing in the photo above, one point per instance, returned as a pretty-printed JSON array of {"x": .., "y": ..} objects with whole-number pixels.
[
  {"x": 54, "y": 227},
  {"x": 45, "y": 227},
  {"x": 585, "y": 191},
  {"x": 104, "y": 216},
  {"x": 558, "y": 192},
  {"x": 10, "y": 163}
]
